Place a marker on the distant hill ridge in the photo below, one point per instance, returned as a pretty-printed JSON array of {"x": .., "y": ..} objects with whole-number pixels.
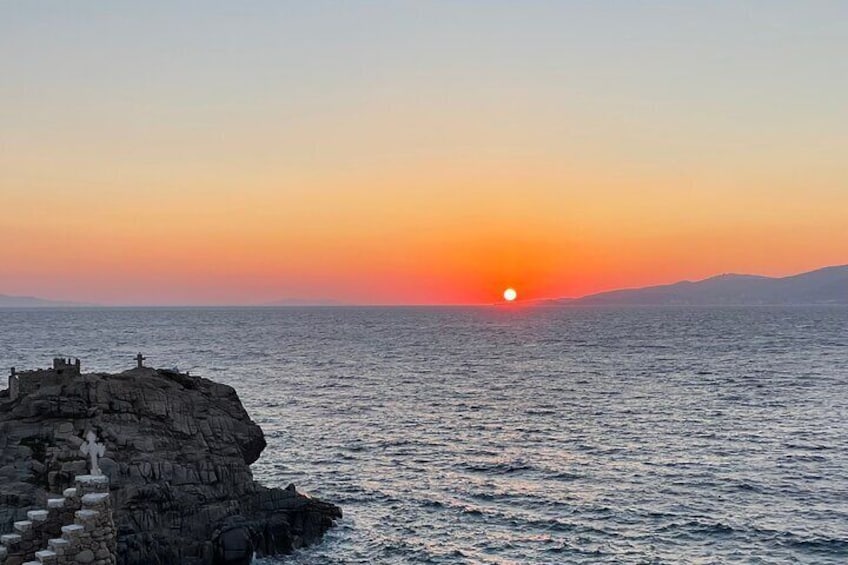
[
  {"x": 7, "y": 301},
  {"x": 822, "y": 286}
]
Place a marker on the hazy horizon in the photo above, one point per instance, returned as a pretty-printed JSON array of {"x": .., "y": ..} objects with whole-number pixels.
[
  {"x": 329, "y": 303},
  {"x": 415, "y": 153}
]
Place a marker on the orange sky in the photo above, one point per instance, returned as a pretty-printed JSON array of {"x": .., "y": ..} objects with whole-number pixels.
[{"x": 408, "y": 166}]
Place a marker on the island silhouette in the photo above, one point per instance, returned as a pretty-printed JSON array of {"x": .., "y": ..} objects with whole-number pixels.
[{"x": 828, "y": 285}]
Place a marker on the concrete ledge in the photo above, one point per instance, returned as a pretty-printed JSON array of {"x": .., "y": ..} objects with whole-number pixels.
[
  {"x": 22, "y": 526},
  {"x": 86, "y": 515},
  {"x": 58, "y": 543},
  {"x": 37, "y": 515},
  {"x": 9, "y": 539},
  {"x": 72, "y": 530},
  {"x": 92, "y": 479},
  {"x": 55, "y": 503},
  {"x": 95, "y": 498}
]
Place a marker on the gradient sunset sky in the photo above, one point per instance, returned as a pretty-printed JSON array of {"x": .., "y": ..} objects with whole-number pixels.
[{"x": 394, "y": 152}]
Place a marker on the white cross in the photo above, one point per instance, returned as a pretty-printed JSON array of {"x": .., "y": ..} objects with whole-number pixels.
[{"x": 95, "y": 450}]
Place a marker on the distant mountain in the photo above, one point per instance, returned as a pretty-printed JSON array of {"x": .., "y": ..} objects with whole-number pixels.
[
  {"x": 304, "y": 302},
  {"x": 33, "y": 302},
  {"x": 823, "y": 286}
]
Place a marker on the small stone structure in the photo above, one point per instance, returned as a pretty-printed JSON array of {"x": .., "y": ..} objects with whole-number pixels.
[
  {"x": 75, "y": 528},
  {"x": 26, "y": 382}
]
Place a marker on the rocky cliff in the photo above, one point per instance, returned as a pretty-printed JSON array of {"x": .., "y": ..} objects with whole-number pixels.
[{"x": 179, "y": 450}]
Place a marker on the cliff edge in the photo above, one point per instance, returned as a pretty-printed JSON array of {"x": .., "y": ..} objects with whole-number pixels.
[{"x": 178, "y": 455}]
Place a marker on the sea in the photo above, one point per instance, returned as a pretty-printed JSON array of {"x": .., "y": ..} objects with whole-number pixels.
[{"x": 513, "y": 435}]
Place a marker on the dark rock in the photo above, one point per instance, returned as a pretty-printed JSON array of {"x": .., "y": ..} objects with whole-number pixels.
[
  {"x": 234, "y": 546},
  {"x": 178, "y": 453}
]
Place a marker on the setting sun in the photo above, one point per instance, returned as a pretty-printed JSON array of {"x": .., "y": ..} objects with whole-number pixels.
[{"x": 510, "y": 294}]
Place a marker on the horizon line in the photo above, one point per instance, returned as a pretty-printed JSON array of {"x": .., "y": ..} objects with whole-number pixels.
[{"x": 323, "y": 303}]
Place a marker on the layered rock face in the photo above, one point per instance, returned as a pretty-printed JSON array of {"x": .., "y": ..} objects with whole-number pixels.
[{"x": 178, "y": 455}]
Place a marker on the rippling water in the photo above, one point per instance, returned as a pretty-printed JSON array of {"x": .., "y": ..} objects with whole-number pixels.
[{"x": 500, "y": 435}]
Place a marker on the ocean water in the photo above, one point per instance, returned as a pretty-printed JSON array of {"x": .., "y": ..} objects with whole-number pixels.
[{"x": 518, "y": 435}]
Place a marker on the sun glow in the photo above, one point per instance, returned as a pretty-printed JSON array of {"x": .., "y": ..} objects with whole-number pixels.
[{"x": 510, "y": 294}]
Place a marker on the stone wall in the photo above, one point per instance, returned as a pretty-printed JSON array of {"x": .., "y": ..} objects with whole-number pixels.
[
  {"x": 14, "y": 388},
  {"x": 28, "y": 382},
  {"x": 77, "y": 528}
]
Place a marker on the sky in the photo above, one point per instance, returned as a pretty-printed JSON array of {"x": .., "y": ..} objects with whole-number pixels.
[{"x": 427, "y": 152}]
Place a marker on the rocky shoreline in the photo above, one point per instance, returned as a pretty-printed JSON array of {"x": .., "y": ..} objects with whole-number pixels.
[{"x": 178, "y": 456}]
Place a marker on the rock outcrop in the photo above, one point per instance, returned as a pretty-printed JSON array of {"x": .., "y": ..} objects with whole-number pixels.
[{"x": 178, "y": 455}]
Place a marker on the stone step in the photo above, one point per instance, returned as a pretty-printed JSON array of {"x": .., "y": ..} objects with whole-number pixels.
[
  {"x": 22, "y": 526},
  {"x": 69, "y": 492},
  {"x": 86, "y": 515},
  {"x": 46, "y": 556},
  {"x": 92, "y": 479},
  {"x": 58, "y": 543},
  {"x": 55, "y": 503},
  {"x": 31, "y": 563},
  {"x": 37, "y": 515},
  {"x": 3, "y": 552},
  {"x": 9, "y": 539},
  {"x": 94, "y": 499},
  {"x": 71, "y": 531}
]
